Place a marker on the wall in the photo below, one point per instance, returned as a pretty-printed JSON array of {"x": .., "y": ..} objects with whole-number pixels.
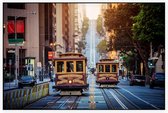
[{"x": 19, "y": 98}]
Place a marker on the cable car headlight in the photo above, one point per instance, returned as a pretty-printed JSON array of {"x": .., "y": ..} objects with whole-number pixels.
[{"x": 70, "y": 81}]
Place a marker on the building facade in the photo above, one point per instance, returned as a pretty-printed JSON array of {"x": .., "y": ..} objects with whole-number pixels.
[
  {"x": 20, "y": 37},
  {"x": 32, "y": 30}
]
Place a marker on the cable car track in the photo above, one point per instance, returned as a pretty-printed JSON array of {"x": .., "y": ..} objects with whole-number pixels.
[
  {"x": 107, "y": 100},
  {"x": 127, "y": 101},
  {"x": 117, "y": 100},
  {"x": 69, "y": 102}
]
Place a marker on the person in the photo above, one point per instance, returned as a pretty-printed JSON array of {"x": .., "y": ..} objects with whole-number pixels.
[
  {"x": 50, "y": 76},
  {"x": 92, "y": 70}
]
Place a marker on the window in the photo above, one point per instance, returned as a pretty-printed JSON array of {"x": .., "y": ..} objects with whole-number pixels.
[
  {"x": 60, "y": 66},
  {"x": 70, "y": 66},
  {"x": 16, "y": 5},
  {"x": 16, "y": 27},
  {"x": 79, "y": 66},
  {"x": 107, "y": 67},
  {"x": 101, "y": 68},
  {"x": 114, "y": 68}
]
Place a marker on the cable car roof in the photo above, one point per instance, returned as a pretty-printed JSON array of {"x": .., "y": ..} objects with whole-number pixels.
[
  {"x": 108, "y": 61},
  {"x": 71, "y": 56}
]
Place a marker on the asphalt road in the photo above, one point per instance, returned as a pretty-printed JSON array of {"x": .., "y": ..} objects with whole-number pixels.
[
  {"x": 120, "y": 97},
  {"x": 92, "y": 40}
]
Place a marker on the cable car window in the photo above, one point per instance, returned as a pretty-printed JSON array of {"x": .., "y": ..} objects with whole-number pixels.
[
  {"x": 114, "y": 68},
  {"x": 107, "y": 68},
  {"x": 79, "y": 66},
  {"x": 60, "y": 66},
  {"x": 101, "y": 68},
  {"x": 70, "y": 66}
]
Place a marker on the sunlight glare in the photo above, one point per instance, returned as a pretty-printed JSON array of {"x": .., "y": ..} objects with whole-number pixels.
[{"x": 92, "y": 10}]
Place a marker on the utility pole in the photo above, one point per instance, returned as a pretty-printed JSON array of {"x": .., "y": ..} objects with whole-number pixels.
[
  {"x": 16, "y": 55},
  {"x": 150, "y": 49}
]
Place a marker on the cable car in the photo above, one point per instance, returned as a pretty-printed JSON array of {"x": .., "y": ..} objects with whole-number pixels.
[
  {"x": 70, "y": 73},
  {"x": 107, "y": 72}
]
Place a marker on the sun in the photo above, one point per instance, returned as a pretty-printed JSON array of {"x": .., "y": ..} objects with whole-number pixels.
[{"x": 92, "y": 10}]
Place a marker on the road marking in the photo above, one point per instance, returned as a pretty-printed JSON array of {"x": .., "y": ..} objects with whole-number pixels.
[
  {"x": 141, "y": 99},
  {"x": 118, "y": 100}
]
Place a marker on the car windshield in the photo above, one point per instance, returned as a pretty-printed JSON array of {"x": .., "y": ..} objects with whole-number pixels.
[
  {"x": 160, "y": 75},
  {"x": 139, "y": 77},
  {"x": 26, "y": 78}
]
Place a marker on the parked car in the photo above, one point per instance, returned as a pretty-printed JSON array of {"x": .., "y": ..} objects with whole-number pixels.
[
  {"x": 26, "y": 81},
  {"x": 157, "y": 79},
  {"x": 137, "y": 80}
]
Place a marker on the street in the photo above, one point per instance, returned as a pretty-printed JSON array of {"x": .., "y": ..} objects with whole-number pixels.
[
  {"x": 73, "y": 56},
  {"x": 120, "y": 97},
  {"x": 92, "y": 39}
]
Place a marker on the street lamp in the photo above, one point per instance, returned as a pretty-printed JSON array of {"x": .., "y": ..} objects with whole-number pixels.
[{"x": 53, "y": 45}]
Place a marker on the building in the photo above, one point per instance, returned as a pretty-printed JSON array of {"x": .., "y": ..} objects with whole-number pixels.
[
  {"x": 41, "y": 29},
  {"x": 21, "y": 37},
  {"x": 79, "y": 14}
]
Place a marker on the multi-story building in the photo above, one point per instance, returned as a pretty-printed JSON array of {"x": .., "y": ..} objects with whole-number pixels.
[
  {"x": 40, "y": 29},
  {"x": 71, "y": 27},
  {"x": 21, "y": 37},
  {"x": 79, "y": 13},
  {"x": 75, "y": 19}
]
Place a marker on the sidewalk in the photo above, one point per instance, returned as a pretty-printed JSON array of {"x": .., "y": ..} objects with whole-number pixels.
[
  {"x": 123, "y": 81},
  {"x": 126, "y": 82},
  {"x": 12, "y": 85}
]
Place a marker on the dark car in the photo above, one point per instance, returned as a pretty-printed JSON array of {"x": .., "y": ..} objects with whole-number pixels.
[
  {"x": 137, "y": 80},
  {"x": 26, "y": 81},
  {"x": 158, "y": 79}
]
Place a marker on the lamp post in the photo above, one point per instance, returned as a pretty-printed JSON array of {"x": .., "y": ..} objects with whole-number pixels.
[
  {"x": 17, "y": 43},
  {"x": 16, "y": 55},
  {"x": 52, "y": 45},
  {"x": 55, "y": 44}
]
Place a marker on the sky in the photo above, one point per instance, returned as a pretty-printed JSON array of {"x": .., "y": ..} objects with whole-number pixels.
[{"x": 92, "y": 10}]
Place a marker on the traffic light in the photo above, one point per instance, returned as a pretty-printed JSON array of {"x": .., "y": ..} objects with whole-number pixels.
[{"x": 151, "y": 63}]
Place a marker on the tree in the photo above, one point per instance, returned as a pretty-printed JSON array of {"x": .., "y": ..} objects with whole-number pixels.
[
  {"x": 149, "y": 26},
  {"x": 119, "y": 21},
  {"x": 138, "y": 24},
  {"x": 129, "y": 61},
  {"x": 81, "y": 45},
  {"x": 85, "y": 26},
  {"x": 99, "y": 26},
  {"x": 102, "y": 47}
]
